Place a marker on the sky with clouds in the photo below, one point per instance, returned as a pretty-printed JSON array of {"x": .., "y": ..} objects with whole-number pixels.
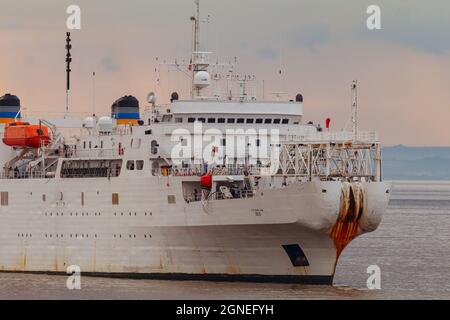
[{"x": 403, "y": 69}]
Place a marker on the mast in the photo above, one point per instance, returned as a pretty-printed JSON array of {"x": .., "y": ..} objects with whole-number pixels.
[
  {"x": 195, "y": 44},
  {"x": 68, "y": 70},
  {"x": 355, "y": 110},
  {"x": 196, "y": 19}
]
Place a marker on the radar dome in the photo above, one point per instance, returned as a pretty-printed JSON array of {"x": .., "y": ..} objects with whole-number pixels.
[
  {"x": 202, "y": 79},
  {"x": 89, "y": 123},
  {"x": 105, "y": 124}
]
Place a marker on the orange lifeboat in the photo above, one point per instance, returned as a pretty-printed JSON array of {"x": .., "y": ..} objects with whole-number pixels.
[{"x": 24, "y": 135}]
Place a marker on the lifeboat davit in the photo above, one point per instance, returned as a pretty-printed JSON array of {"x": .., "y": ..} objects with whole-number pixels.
[{"x": 24, "y": 135}]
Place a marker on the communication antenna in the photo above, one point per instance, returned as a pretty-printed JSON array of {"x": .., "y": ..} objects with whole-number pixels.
[
  {"x": 93, "y": 93},
  {"x": 68, "y": 70},
  {"x": 355, "y": 109}
]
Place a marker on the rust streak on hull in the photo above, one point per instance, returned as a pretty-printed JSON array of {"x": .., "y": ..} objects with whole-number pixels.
[{"x": 352, "y": 209}]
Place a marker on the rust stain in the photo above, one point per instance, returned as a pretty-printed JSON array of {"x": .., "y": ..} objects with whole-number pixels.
[
  {"x": 161, "y": 264},
  {"x": 352, "y": 209},
  {"x": 233, "y": 270},
  {"x": 55, "y": 263},
  {"x": 24, "y": 260},
  {"x": 203, "y": 270}
]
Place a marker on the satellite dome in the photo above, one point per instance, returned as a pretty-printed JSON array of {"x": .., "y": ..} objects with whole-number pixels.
[
  {"x": 202, "y": 79},
  {"x": 89, "y": 123},
  {"x": 105, "y": 124}
]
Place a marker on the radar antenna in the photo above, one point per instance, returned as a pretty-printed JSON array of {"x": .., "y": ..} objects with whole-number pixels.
[{"x": 68, "y": 70}]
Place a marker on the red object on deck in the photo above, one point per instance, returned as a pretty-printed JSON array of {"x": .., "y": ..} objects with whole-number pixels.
[
  {"x": 327, "y": 123},
  {"x": 24, "y": 135},
  {"x": 206, "y": 181}
]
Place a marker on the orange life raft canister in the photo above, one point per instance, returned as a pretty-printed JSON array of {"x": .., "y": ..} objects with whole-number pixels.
[{"x": 24, "y": 135}]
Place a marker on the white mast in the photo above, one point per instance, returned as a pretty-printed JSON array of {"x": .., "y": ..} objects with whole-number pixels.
[
  {"x": 355, "y": 109},
  {"x": 199, "y": 60}
]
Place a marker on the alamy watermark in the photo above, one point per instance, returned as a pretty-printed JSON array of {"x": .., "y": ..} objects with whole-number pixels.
[
  {"x": 73, "y": 22},
  {"x": 74, "y": 280},
  {"x": 374, "y": 20},
  {"x": 374, "y": 280},
  {"x": 234, "y": 146}
]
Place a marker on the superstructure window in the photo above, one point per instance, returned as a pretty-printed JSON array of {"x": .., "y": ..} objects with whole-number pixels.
[
  {"x": 191, "y": 120},
  {"x": 240, "y": 120},
  {"x": 4, "y": 198},
  {"x": 259, "y": 120},
  {"x": 230, "y": 120},
  {"x": 178, "y": 120},
  {"x": 202, "y": 120},
  {"x": 139, "y": 164},
  {"x": 221, "y": 120},
  {"x": 115, "y": 199},
  {"x": 276, "y": 121},
  {"x": 268, "y": 121},
  {"x": 90, "y": 168},
  {"x": 250, "y": 120},
  {"x": 285, "y": 121},
  {"x": 211, "y": 120},
  {"x": 130, "y": 165}
]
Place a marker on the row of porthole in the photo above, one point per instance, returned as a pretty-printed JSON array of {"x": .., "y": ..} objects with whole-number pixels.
[
  {"x": 130, "y": 214},
  {"x": 71, "y": 235},
  {"x": 26, "y": 235},
  {"x": 131, "y": 236},
  {"x": 83, "y": 235},
  {"x": 57, "y": 214}
]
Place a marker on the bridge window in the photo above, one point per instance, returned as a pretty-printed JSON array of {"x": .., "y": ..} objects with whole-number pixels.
[
  {"x": 250, "y": 120},
  {"x": 259, "y": 120},
  {"x": 268, "y": 121},
  {"x": 191, "y": 120},
  {"x": 240, "y": 120},
  {"x": 221, "y": 120},
  {"x": 285, "y": 121},
  {"x": 211, "y": 120},
  {"x": 231, "y": 120},
  {"x": 276, "y": 121},
  {"x": 178, "y": 120},
  {"x": 202, "y": 120}
]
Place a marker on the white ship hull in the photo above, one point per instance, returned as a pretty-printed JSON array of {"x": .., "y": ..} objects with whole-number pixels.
[{"x": 45, "y": 228}]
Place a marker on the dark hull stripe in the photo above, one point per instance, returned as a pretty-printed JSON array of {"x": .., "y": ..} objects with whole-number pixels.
[{"x": 301, "y": 279}]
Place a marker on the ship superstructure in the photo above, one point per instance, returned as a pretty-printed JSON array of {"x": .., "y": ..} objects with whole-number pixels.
[{"x": 211, "y": 187}]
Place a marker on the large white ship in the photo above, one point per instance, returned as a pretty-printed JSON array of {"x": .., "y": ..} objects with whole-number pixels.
[{"x": 216, "y": 186}]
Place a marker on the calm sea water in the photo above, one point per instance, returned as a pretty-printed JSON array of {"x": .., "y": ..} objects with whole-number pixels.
[{"x": 411, "y": 247}]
